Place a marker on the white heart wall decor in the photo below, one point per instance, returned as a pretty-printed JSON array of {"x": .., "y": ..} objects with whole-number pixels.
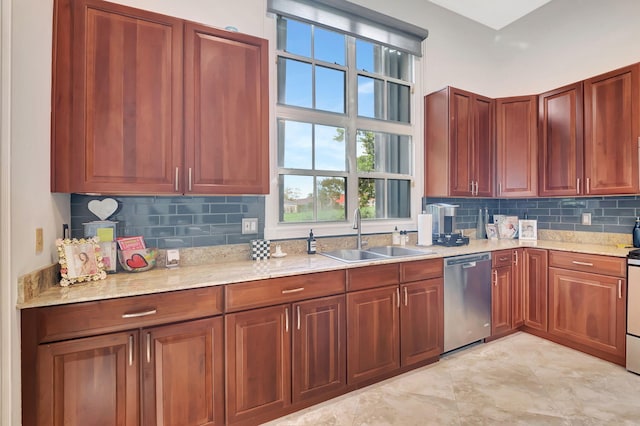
[{"x": 103, "y": 208}]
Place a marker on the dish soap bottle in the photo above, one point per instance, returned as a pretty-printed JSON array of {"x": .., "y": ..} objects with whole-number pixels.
[
  {"x": 311, "y": 243},
  {"x": 481, "y": 232},
  {"x": 395, "y": 237},
  {"x": 636, "y": 233}
]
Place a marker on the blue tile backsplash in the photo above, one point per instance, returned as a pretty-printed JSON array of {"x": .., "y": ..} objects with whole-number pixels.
[
  {"x": 175, "y": 222},
  {"x": 608, "y": 214}
]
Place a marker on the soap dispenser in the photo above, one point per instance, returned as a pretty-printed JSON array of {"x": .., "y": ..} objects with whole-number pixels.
[
  {"x": 636, "y": 233},
  {"x": 395, "y": 237}
]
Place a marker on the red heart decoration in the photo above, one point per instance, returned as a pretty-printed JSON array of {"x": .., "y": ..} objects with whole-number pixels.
[{"x": 137, "y": 261}]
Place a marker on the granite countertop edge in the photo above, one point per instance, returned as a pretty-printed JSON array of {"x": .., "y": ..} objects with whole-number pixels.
[{"x": 188, "y": 277}]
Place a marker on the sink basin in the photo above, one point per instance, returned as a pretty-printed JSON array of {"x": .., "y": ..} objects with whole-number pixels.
[
  {"x": 395, "y": 251},
  {"x": 353, "y": 255}
]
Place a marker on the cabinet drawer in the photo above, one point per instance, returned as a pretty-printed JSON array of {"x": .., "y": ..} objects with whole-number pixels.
[
  {"x": 606, "y": 265},
  {"x": 501, "y": 258},
  {"x": 105, "y": 316},
  {"x": 372, "y": 276},
  {"x": 274, "y": 291},
  {"x": 420, "y": 270}
]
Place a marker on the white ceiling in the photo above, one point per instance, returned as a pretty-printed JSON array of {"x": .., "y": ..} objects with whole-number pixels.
[{"x": 494, "y": 14}]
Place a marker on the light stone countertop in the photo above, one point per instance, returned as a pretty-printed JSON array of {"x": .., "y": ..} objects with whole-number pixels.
[{"x": 159, "y": 280}]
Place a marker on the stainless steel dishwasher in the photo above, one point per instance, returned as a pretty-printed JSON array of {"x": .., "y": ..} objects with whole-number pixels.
[{"x": 467, "y": 299}]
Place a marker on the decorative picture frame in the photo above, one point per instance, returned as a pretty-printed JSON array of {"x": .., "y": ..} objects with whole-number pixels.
[
  {"x": 80, "y": 260},
  {"x": 528, "y": 230},
  {"x": 492, "y": 231},
  {"x": 508, "y": 227}
]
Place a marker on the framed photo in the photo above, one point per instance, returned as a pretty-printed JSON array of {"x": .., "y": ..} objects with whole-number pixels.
[
  {"x": 492, "y": 231},
  {"x": 507, "y": 227},
  {"x": 109, "y": 253},
  {"x": 528, "y": 230},
  {"x": 80, "y": 260}
]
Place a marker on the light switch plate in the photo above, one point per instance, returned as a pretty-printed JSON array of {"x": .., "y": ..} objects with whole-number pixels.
[
  {"x": 250, "y": 225},
  {"x": 586, "y": 218}
]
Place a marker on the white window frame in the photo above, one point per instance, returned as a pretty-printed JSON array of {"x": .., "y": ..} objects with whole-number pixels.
[{"x": 276, "y": 230}]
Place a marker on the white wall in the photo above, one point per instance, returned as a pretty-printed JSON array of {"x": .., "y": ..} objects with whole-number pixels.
[{"x": 562, "y": 42}]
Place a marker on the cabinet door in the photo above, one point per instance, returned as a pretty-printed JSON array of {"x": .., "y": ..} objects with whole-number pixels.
[
  {"x": 535, "y": 288},
  {"x": 372, "y": 333},
  {"x": 561, "y": 141},
  {"x": 517, "y": 147},
  {"x": 501, "y": 300},
  {"x": 461, "y": 133},
  {"x": 483, "y": 145},
  {"x": 226, "y": 112},
  {"x": 183, "y": 373},
  {"x": 319, "y": 361},
  {"x": 611, "y": 131},
  {"x": 258, "y": 356},
  {"x": 122, "y": 131},
  {"x": 588, "y": 309},
  {"x": 421, "y": 320},
  {"x": 517, "y": 289},
  {"x": 89, "y": 381}
]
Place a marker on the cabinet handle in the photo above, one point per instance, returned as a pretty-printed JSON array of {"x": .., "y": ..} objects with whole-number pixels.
[
  {"x": 177, "y": 177},
  {"x": 140, "y": 314},
  {"x": 148, "y": 347},
  {"x": 619, "y": 289},
  {"x": 130, "y": 350},
  {"x": 471, "y": 184},
  {"x": 293, "y": 290},
  {"x": 515, "y": 254},
  {"x": 575, "y": 262},
  {"x": 476, "y": 187},
  {"x": 298, "y": 309},
  {"x": 495, "y": 277},
  {"x": 189, "y": 179},
  {"x": 286, "y": 320},
  {"x": 578, "y": 186},
  {"x": 503, "y": 259},
  {"x": 406, "y": 297},
  {"x": 499, "y": 188},
  {"x": 587, "y": 185},
  {"x": 398, "y": 295}
]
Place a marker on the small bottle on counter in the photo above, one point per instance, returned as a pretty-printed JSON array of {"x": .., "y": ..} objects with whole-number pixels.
[
  {"x": 403, "y": 238},
  {"x": 395, "y": 237},
  {"x": 311, "y": 243},
  {"x": 636, "y": 233}
]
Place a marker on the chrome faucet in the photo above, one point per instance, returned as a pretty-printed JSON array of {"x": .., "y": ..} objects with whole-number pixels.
[{"x": 357, "y": 224}]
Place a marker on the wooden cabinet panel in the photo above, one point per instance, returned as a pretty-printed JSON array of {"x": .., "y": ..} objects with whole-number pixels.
[
  {"x": 226, "y": 112},
  {"x": 461, "y": 134},
  {"x": 607, "y": 265},
  {"x": 372, "y": 333},
  {"x": 118, "y": 101},
  {"x": 89, "y": 381},
  {"x": 611, "y": 132},
  {"x": 260, "y": 293},
  {"x": 517, "y": 289},
  {"x": 535, "y": 263},
  {"x": 421, "y": 270},
  {"x": 372, "y": 276},
  {"x": 483, "y": 158},
  {"x": 258, "y": 362},
  {"x": 319, "y": 360},
  {"x": 501, "y": 300},
  {"x": 183, "y": 373},
  {"x": 588, "y": 309},
  {"x": 560, "y": 119},
  {"x": 421, "y": 320},
  {"x": 69, "y": 321},
  {"x": 501, "y": 258},
  {"x": 517, "y": 146}
]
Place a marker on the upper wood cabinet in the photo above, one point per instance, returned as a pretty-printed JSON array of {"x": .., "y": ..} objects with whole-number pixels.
[
  {"x": 459, "y": 143},
  {"x": 560, "y": 119},
  {"x": 611, "y": 132},
  {"x": 122, "y": 122},
  {"x": 516, "y": 147}
]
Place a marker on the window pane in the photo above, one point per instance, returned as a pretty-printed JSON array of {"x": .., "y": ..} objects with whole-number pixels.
[
  {"x": 328, "y": 46},
  {"x": 371, "y": 198},
  {"x": 370, "y": 97},
  {"x": 366, "y": 151},
  {"x": 296, "y": 198},
  {"x": 398, "y": 65},
  {"x": 330, "y": 148},
  {"x": 398, "y": 154},
  {"x": 294, "y": 37},
  {"x": 330, "y": 89},
  {"x": 398, "y": 198},
  {"x": 331, "y": 198},
  {"x": 399, "y": 101},
  {"x": 368, "y": 57},
  {"x": 295, "y": 145},
  {"x": 294, "y": 83}
]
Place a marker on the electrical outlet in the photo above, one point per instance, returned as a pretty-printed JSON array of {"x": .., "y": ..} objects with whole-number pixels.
[
  {"x": 586, "y": 218},
  {"x": 39, "y": 241},
  {"x": 250, "y": 225}
]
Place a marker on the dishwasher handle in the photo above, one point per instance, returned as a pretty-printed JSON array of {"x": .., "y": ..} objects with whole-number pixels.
[{"x": 469, "y": 265}]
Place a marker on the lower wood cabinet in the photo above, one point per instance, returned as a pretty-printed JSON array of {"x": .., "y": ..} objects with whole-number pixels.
[
  {"x": 283, "y": 355},
  {"x": 535, "y": 263},
  {"x": 507, "y": 311}
]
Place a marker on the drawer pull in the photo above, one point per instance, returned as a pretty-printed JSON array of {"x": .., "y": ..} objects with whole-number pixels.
[
  {"x": 495, "y": 278},
  {"x": 130, "y": 350},
  {"x": 140, "y": 314},
  {"x": 293, "y": 290},
  {"x": 619, "y": 289},
  {"x": 575, "y": 262},
  {"x": 503, "y": 259},
  {"x": 515, "y": 254}
]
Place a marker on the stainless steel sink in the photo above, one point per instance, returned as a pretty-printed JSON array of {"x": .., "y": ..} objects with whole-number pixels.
[
  {"x": 353, "y": 255},
  {"x": 395, "y": 251}
]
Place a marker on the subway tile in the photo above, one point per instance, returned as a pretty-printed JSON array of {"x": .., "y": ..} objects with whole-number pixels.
[
  {"x": 618, "y": 229},
  {"x": 182, "y": 219},
  {"x": 239, "y": 239},
  {"x": 589, "y": 228},
  {"x": 171, "y": 243},
  {"x": 192, "y": 209},
  {"x": 193, "y": 230},
  {"x": 562, "y": 226},
  {"x": 209, "y": 240},
  {"x": 160, "y": 231},
  {"x": 620, "y": 212},
  {"x": 226, "y": 208},
  {"x": 234, "y": 218},
  {"x": 139, "y": 220},
  {"x": 155, "y": 209},
  {"x": 209, "y": 218}
]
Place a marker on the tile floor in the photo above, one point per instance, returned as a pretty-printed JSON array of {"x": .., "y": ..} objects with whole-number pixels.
[{"x": 518, "y": 380}]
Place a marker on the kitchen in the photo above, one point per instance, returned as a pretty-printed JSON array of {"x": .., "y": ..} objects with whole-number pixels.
[{"x": 547, "y": 50}]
